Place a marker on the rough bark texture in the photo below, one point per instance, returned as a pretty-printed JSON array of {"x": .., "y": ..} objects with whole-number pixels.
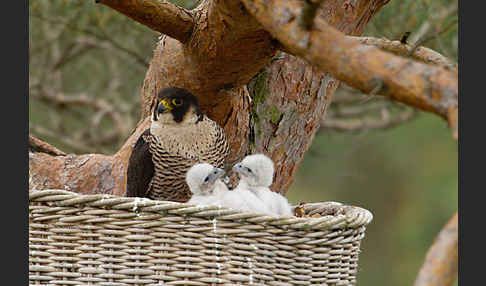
[
  {"x": 441, "y": 262},
  {"x": 287, "y": 104},
  {"x": 367, "y": 68},
  {"x": 227, "y": 49}
]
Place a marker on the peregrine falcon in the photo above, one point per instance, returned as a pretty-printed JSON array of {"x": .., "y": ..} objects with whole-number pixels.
[
  {"x": 179, "y": 137},
  {"x": 256, "y": 175}
]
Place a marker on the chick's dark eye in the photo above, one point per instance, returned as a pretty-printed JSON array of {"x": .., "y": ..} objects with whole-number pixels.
[{"x": 177, "y": 101}]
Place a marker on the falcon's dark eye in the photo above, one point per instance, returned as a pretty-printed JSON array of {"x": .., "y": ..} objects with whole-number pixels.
[{"x": 177, "y": 101}]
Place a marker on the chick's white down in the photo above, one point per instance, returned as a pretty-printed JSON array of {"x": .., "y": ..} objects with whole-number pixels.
[
  {"x": 207, "y": 189},
  {"x": 244, "y": 200},
  {"x": 205, "y": 185},
  {"x": 256, "y": 175}
]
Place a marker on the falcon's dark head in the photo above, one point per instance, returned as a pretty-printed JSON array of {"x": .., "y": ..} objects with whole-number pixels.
[{"x": 176, "y": 105}]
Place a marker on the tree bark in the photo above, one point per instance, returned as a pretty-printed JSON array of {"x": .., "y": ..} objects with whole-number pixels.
[
  {"x": 265, "y": 103},
  {"x": 441, "y": 261}
]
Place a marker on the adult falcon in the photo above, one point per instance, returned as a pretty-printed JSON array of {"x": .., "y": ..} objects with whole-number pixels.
[{"x": 179, "y": 137}]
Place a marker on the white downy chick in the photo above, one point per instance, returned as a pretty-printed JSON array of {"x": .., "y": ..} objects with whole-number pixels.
[
  {"x": 205, "y": 185},
  {"x": 208, "y": 189},
  {"x": 243, "y": 200},
  {"x": 256, "y": 175}
]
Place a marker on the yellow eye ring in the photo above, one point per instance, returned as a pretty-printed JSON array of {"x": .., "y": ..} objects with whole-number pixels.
[{"x": 177, "y": 101}]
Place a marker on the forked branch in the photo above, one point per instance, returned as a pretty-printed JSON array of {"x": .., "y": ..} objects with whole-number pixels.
[{"x": 426, "y": 87}]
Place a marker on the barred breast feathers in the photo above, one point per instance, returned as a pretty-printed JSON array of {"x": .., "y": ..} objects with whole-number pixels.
[
  {"x": 204, "y": 140},
  {"x": 174, "y": 150}
]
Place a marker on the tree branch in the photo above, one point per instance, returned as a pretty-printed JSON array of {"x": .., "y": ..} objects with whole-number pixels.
[
  {"x": 441, "y": 262},
  {"x": 429, "y": 88},
  {"x": 227, "y": 48},
  {"x": 76, "y": 145},
  {"x": 355, "y": 109},
  {"x": 159, "y": 15},
  {"x": 37, "y": 145},
  {"x": 362, "y": 124},
  {"x": 422, "y": 54}
]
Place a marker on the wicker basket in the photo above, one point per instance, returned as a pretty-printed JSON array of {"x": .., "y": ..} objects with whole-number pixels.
[{"x": 108, "y": 240}]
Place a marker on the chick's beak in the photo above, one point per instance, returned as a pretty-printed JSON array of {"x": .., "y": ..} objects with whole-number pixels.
[
  {"x": 237, "y": 167},
  {"x": 216, "y": 174}
]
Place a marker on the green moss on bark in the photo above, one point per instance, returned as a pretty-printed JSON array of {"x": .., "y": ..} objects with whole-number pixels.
[{"x": 258, "y": 91}]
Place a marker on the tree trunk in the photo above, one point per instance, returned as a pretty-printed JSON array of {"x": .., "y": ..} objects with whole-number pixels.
[{"x": 267, "y": 101}]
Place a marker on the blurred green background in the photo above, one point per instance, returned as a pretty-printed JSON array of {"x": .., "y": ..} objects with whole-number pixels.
[{"x": 407, "y": 176}]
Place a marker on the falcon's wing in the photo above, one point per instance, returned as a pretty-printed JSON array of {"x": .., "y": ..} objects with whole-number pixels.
[{"x": 140, "y": 168}]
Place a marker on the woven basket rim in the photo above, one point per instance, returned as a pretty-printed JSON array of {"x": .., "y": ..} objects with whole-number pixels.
[{"x": 348, "y": 216}]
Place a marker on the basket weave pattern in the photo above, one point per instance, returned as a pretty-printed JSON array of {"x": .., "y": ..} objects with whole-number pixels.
[{"x": 108, "y": 240}]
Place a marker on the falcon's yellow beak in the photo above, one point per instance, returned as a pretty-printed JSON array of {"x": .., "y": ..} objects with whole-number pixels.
[{"x": 163, "y": 106}]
